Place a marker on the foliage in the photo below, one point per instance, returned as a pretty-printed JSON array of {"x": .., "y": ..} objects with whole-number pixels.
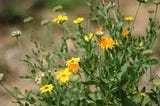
[{"x": 103, "y": 69}]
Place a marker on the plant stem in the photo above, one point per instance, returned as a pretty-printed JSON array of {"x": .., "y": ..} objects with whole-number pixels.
[
  {"x": 7, "y": 90},
  {"x": 20, "y": 44},
  {"x": 139, "y": 5},
  {"x": 118, "y": 4},
  {"x": 155, "y": 16}
]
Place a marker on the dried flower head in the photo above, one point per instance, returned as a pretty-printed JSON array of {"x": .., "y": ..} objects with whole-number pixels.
[
  {"x": 45, "y": 22},
  {"x": 39, "y": 77},
  {"x": 16, "y": 33},
  {"x": 28, "y": 19}
]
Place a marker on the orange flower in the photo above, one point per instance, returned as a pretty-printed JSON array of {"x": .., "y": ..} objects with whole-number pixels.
[
  {"x": 106, "y": 42},
  {"x": 73, "y": 65},
  {"x": 99, "y": 31},
  {"x": 125, "y": 33}
]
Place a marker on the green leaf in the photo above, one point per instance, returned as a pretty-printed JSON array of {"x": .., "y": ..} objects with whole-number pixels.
[
  {"x": 27, "y": 94},
  {"x": 123, "y": 70},
  {"x": 147, "y": 52},
  {"x": 153, "y": 62},
  {"x": 25, "y": 77},
  {"x": 17, "y": 91},
  {"x": 26, "y": 104}
]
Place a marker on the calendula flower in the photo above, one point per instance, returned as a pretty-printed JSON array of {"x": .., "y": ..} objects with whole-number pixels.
[
  {"x": 141, "y": 44},
  {"x": 46, "y": 88},
  {"x": 99, "y": 31},
  {"x": 88, "y": 37},
  {"x": 60, "y": 19},
  {"x": 125, "y": 33},
  {"x": 106, "y": 42},
  {"x": 73, "y": 64},
  {"x": 78, "y": 20},
  {"x": 73, "y": 60},
  {"x": 128, "y": 19},
  {"x": 63, "y": 76}
]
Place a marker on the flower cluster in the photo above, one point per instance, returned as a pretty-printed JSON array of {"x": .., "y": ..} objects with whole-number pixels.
[{"x": 104, "y": 67}]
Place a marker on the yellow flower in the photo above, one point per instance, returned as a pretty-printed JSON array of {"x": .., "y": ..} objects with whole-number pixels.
[
  {"x": 88, "y": 37},
  {"x": 73, "y": 60},
  {"x": 99, "y": 31},
  {"x": 141, "y": 44},
  {"x": 125, "y": 33},
  {"x": 106, "y": 42},
  {"x": 78, "y": 20},
  {"x": 72, "y": 64},
  {"x": 128, "y": 19},
  {"x": 46, "y": 88},
  {"x": 60, "y": 19},
  {"x": 63, "y": 76}
]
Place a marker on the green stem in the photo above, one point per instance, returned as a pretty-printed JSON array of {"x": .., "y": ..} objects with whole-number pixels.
[
  {"x": 139, "y": 5},
  {"x": 118, "y": 4},
  {"x": 155, "y": 16},
  {"x": 20, "y": 44},
  {"x": 7, "y": 90}
]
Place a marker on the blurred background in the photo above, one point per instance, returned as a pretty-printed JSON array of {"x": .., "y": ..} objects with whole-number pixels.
[{"x": 12, "y": 15}]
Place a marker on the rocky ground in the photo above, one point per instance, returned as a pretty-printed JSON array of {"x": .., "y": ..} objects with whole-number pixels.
[{"x": 10, "y": 53}]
